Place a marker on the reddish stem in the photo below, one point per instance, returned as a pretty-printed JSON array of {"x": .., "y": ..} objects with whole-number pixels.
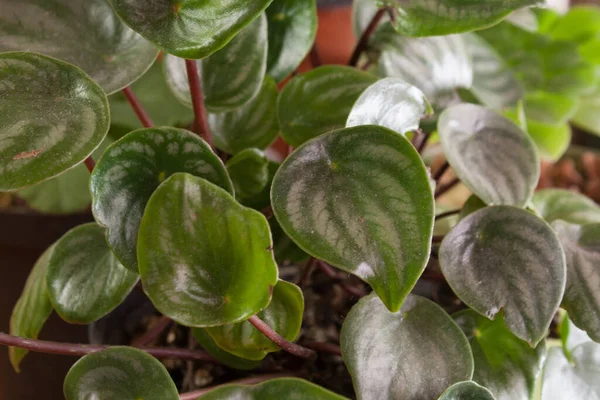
[
  {"x": 201, "y": 122},
  {"x": 447, "y": 214},
  {"x": 154, "y": 332},
  {"x": 90, "y": 164},
  {"x": 440, "y": 172},
  {"x": 280, "y": 341},
  {"x": 252, "y": 380},
  {"x": 324, "y": 347},
  {"x": 363, "y": 42},
  {"x": 315, "y": 57},
  {"x": 138, "y": 108},
  {"x": 331, "y": 273},
  {"x": 444, "y": 188}
]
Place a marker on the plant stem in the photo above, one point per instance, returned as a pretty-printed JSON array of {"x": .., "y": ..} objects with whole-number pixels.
[
  {"x": 138, "y": 108},
  {"x": 308, "y": 269},
  {"x": 72, "y": 349},
  {"x": 90, "y": 164},
  {"x": 315, "y": 57},
  {"x": 154, "y": 332},
  {"x": 331, "y": 273},
  {"x": 363, "y": 42},
  {"x": 444, "y": 188},
  {"x": 440, "y": 172},
  {"x": 245, "y": 381},
  {"x": 447, "y": 214},
  {"x": 437, "y": 238},
  {"x": 324, "y": 347},
  {"x": 201, "y": 122},
  {"x": 280, "y": 341},
  {"x": 423, "y": 142}
]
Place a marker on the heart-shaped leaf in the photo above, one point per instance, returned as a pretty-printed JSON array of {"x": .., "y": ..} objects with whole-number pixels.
[
  {"x": 506, "y": 258},
  {"x": 554, "y": 204},
  {"x": 392, "y": 103},
  {"x": 52, "y": 116},
  {"x": 467, "y": 390},
  {"x": 281, "y": 388},
  {"x": 32, "y": 309},
  {"x": 249, "y": 172},
  {"x": 283, "y": 315},
  {"x": 209, "y": 345},
  {"x": 119, "y": 373},
  {"x": 252, "y": 125},
  {"x": 212, "y": 262},
  {"x": 86, "y": 33},
  {"x": 490, "y": 154},
  {"x": 442, "y": 17},
  {"x": 319, "y": 101},
  {"x": 413, "y": 354},
  {"x": 231, "y": 77},
  {"x": 504, "y": 364},
  {"x": 292, "y": 31},
  {"x": 85, "y": 280},
  {"x": 133, "y": 167},
  {"x": 360, "y": 199},
  {"x": 582, "y": 250},
  {"x": 263, "y": 199}
]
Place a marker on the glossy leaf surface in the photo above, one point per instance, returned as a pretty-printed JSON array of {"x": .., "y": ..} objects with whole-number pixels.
[
  {"x": 281, "y": 388},
  {"x": 414, "y": 354},
  {"x": 133, "y": 167},
  {"x": 204, "y": 259},
  {"x": 554, "y": 204},
  {"x": 249, "y": 172},
  {"x": 188, "y": 28},
  {"x": 505, "y": 258},
  {"x": 360, "y": 199},
  {"x": 122, "y": 373},
  {"x": 319, "y": 101},
  {"x": 467, "y": 390},
  {"x": 505, "y": 173},
  {"x": 209, "y": 345},
  {"x": 52, "y": 116}
]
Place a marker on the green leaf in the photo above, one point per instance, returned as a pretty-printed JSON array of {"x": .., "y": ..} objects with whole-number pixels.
[
  {"x": 209, "y": 345},
  {"x": 292, "y": 31},
  {"x": 284, "y": 315},
  {"x": 391, "y": 103},
  {"x": 32, "y": 309},
  {"x": 85, "y": 33},
  {"x": 122, "y": 373},
  {"x": 263, "y": 199},
  {"x": 212, "y": 262},
  {"x": 505, "y": 258},
  {"x": 442, "y": 17},
  {"x": 52, "y": 116},
  {"x": 85, "y": 280},
  {"x": 133, "y": 167},
  {"x": 571, "y": 336},
  {"x": 587, "y": 116},
  {"x": 360, "y": 199},
  {"x": 554, "y": 204},
  {"x": 281, "y": 388},
  {"x": 551, "y": 141},
  {"x": 284, "y": 248},
  {"x": 189, "y": 28},
  {"x": 582, "y": 250},
  {"x": 252, "y": 125},
  {"x": 249, "y": 172},
  {"x": 467, "y": 390},
  {"x": 490, "y": 154},
  {"x": 413, "y": 354},
  {"x": 472, "y": 204},
  {"x": 319, "y": 101},
  {"x": 231, "y": 77},
  {"x": 504, "y": 364},
  {"x": 580, "y": 24},
  {"x": 550, "y": 108}
]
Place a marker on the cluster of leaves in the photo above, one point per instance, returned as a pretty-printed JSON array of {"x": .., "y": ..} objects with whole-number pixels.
[{"x": 355, "y": 193}]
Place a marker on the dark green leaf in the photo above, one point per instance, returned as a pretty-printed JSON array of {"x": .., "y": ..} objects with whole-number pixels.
[
  {"x": 413, "y": 354},
  {"x": 133, "y": 167},
  {"x": 360, "y": 199},
  {"x": 274, "y": 389},
  {"x": 319, "y": 101},
  {"x": 85, "y": 280},
  {"x": 467, "y": 390},
  {"x": 120, "y": 373},
  {"x": 554, "y": 204},
  {"x": 85, "y": 33},
  {"x": 491, "y": 155},
  {"x": 52, "y": 116},
  {"x": 506, "y": 258},
  {"x": 209, "y": 345},
  {"x": 189, "y": 28},
  {"x": 204, "y": 259},
  {"x": 263, "y": 199},
  {"x": 249, "y": 172},
  {"x": 292, "y": 31},
  {"x": 472, "y": 204},
  {"x": 284, "y": 248}
]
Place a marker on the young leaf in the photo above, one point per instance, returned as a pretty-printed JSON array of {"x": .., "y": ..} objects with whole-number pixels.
[
  {"x": 85, "y": 280},
  {"x": 32, "y": 309},
  {"x": 52, "y": 116},
  {"x": 505, "y": 173},
  {"x": 204, "y": 259},
  {"x": 252, "y": 125},
  {"x": 86, "y": 33},
  {"x": 133, "y": 167},
  {"x": 554, "y": 204},
  {"x": 391, "y": 103},
  {"x": 188, "y": 28},
  {"x": 413, "y": 354},
  {"x": 281, "y": 388},
  {"x": 119, "y": 373},
  {"x": 360, "y": 199},
  {"x": 284, "y": 315},
  {"x": 231, "y": 77},
  {"x": 292, "y": 31},
  {"x": 249, "y": 172},
  {"x": 209, "y": 345},
  {"x": 319, "y": 101},
  {"x": 467, "y": 390},
  {"x": 504, "y": 364},
  {"x": 505, "y": 258}
]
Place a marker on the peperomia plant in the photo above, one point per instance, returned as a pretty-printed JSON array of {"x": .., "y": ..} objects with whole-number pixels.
[{"x": 193, "y": 206}]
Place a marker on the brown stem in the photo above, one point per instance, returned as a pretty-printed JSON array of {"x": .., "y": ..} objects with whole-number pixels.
[
  {"x": 137, "y": 107},
  {"x": 366, "y": 65},
  {"x": 280, "y": 341},
  {"x": 363, "y": 42},
  {"x": 201, "y": 122},
  {"x": 308, "y": 269},
  {"x": 440, "y": 172},
  {"x": 331, "y": 273},
  {"x": 315, "y": 57},
  {"x": 267, "y": 212},
  {"x": 437, "y": 238},
  {"x": 423, "y": 142},
  {"x": 447, "y": 214},
  {"x": 90, "y": 164},
  {"x": 444, "y": 188},
  {"x": 154, "y": 332},
  {"x": 245, "y": 381},
  {"x": 324, "y": 347}
]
